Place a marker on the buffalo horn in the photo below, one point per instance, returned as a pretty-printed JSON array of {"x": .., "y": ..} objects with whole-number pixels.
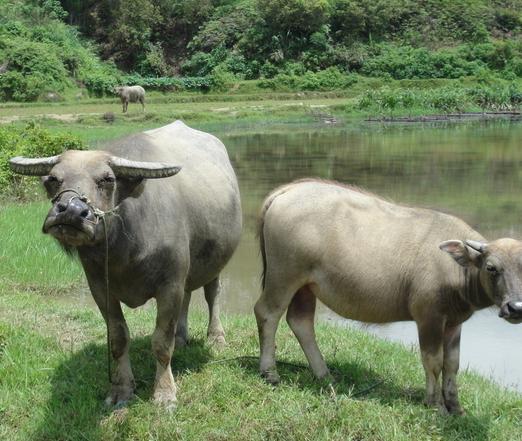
[
  {"x": 125, "y": 168},
  {"x": 477, "y": 246},
  {"x": 33, "y": 166}
]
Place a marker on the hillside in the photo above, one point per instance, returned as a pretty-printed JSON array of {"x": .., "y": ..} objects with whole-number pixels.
[{"x": 52, "y": 47}]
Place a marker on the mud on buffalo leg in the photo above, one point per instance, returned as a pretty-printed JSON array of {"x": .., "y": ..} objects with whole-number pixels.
[
  {"x": 450, "y": 369},
  {"x": 182, "y": 336},
  {"x": 300, "y": 318},
  {"x": 431, "y": 346},
  {"x": 169, "y": 302},
  {"x": 215, "y": 332}
]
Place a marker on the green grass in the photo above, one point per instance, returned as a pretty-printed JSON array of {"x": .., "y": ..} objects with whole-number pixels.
[
  {"x": 52, "y": 359},
  {"x": 53, "y": 371},
  {"x": 30, "y": 259}
]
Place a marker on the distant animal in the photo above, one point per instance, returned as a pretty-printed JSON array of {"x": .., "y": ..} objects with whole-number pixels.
[
  {"x": 167, "y": 233},
  {"x": 375, "y": 261},
  {"x": 131, "y": 94}
]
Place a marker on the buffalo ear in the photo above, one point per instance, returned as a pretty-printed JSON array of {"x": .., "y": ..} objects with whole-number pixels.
[
  {"x": 128, "y": 188},
  {"x": 464, "y": 253}
]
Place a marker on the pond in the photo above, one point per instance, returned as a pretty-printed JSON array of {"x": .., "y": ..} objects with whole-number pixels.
[{"x": 472, "y": 170}]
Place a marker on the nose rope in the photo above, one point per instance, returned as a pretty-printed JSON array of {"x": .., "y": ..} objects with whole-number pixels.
[{"x": 98, "y": 214}]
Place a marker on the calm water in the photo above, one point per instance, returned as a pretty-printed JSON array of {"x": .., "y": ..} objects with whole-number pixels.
[{"x": 473, "y": 170}]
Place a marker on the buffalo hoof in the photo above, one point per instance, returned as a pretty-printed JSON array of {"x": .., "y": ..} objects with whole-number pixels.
[
  {"x": 271, "y": 377},
  {"x": 119, "y": 396},
  {"x": 165, "y": 399},
  {"x": 455, "y": 409},
  {"x": 217, "y": 340}
]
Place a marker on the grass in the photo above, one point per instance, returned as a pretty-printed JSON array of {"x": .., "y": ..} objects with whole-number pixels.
[
  {"x": 53, "y": 355},
  {"x": 53, "y": 372},
  {"x": 30, "y": 259},
  {"x": 244, "y": 104},
  {"x": 54, "y": 380}
]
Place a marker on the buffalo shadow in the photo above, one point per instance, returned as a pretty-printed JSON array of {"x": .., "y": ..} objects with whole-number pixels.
[
  {"x": 361, "y": 383},
  {"x": 79, "y": 385}
]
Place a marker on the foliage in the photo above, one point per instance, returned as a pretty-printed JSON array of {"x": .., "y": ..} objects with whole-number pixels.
[
  {"x": 328, "y": 79},
  {"x": 32, "y": 141},
  {"x": 229, "y": 40},
  {"x": 495, "y": 97},
  {"x": 408, "y": 62}
]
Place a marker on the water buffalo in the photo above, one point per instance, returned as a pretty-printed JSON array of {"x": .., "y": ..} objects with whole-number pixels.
[
  {"x": 130, "y": 94},
  {"x": 167, "y": 235},
  {"x": 375, "y": 261}
]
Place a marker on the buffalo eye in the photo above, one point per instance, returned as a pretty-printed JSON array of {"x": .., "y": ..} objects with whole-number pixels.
[
  {"x": 105, "y": 181},
  {"x": 492, "y": 269},
  {"x": 51, "y": 181}
]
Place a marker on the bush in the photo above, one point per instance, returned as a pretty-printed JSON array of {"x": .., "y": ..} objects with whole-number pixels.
[
  {"x": 32, "y": 141},
  {"x": 328, "y": 79},
  {"x": 407, "y": 62}
]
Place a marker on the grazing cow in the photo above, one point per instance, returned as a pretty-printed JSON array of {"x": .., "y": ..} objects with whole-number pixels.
[
  {"x": 165, "y": 235},
  {"x": 130, "y": 94},
  {"x": 371, "y": 260}
]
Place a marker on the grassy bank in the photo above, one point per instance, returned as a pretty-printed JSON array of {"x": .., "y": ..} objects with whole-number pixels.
[
  {"x": 53, "y": 371},
  {"x": 54, "y": 380},
  {"x": 94, "y": 119}
]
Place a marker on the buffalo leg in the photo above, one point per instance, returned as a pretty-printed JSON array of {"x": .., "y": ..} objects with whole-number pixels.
[
  {"x": 431, "y": 346},
  {"x": 450, "y": 369},
  {"x": 268, "y": 310},
  {"x": 142, "y": 101},
  {"x": 182, "y": 325},
  {"x": 215, "y": 332},
  {"x": 122, "y": 387},
  {"x": 169, "y": 304},
  {"x": 300, "y": 318}
]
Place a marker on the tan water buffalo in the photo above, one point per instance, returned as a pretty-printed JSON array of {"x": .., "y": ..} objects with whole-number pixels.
[
  {"x": 375, "y": 261},
  {"x": 166, "y": 235},
  {"x": 130, "y": 94}
]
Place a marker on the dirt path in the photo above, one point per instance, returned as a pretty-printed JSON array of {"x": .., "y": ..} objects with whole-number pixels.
[{"x": 65, "y": 117}]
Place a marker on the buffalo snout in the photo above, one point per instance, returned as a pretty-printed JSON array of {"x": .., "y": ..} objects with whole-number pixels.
[
  {"x": 71, "y": 221},
  {"x": 511, "y": 311}
]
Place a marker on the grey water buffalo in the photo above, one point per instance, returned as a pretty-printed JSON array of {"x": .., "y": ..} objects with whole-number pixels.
[
  {"x": 130, "y": 94},
  {"x": 375, "y": 261},
  {"x": 166, "y": 235}
]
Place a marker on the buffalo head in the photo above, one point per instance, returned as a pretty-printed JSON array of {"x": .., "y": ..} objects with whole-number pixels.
[
  {"x": 82, "y": 186},
  {"x": 500, "y": 266}
]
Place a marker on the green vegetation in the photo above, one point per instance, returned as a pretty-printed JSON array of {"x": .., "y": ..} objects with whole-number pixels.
[
  {"x": 31, "y": 141},
  {"x": 213, "y": 45},
  {"x": 54, "y": 381}
]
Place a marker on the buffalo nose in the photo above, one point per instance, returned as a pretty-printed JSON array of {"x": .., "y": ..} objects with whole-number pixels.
[
  {"x": 75, "y": 209},
  {"x": 514, "y": 308}
]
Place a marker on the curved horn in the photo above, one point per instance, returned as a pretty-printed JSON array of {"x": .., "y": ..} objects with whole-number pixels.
[
  {"x": 33, "y": 166},
  {"x": 477, "y": 246},
  {"x": 125, "y": 168}
]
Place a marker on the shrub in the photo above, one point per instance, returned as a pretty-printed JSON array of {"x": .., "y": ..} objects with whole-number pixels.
[
  {"x": 31, "y": 141},
  {"x": 328, "y": 79},
  {"x": 446, "y": 99},
  {"x": 412, "y": 63}
]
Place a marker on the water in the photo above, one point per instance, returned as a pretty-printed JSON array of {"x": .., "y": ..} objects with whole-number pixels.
[{"x": 472, "y": 170}]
